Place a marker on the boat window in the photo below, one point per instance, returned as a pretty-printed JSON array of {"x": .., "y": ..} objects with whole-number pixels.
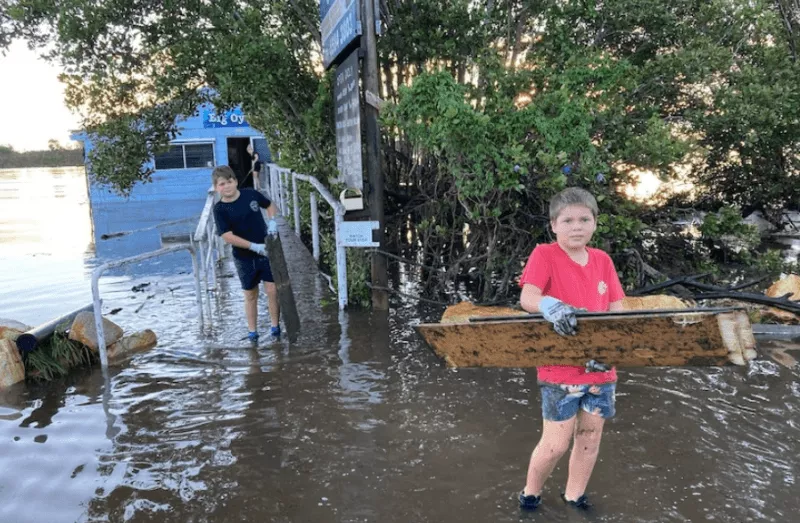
[
  {"x": 199, "y": 155},
  {"x": 171, "y": 159},
  {"x": 186, "y": 156}
]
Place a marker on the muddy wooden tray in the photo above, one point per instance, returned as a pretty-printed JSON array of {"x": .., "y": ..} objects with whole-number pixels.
[{"x": 691, "y": 337}]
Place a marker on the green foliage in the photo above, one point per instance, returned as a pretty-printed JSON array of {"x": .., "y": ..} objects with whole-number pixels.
[
  {"x": 9, "y": 158},
  {"x": 132, "y": 69},
  {"x": 56, "y": 357},
  {"x": 772, "y": 264},
  {"x": 493, "y": 107},
  {"x": 624, "y": 231},
  {"x": 726, "y": 232},
  {"x": 728, "y": 221}
]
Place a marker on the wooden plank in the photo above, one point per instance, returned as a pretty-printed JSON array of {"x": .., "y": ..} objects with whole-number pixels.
[
  {"x": 692, "y": 337},
  {"x": 280, "y": 274}
]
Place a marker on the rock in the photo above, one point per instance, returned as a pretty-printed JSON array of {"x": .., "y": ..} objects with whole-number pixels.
[
  {"x": 757, "y": 220},
  {"x": 11, "y": 329},
  {"x": 462, "y": 312},
  {"x": 10, "y": 334},
  {"x": 128, "y": 346},
  {"x": 84, "y": 331},
  {"x": 11, "y": 368},
  {"x": 788, "y": 285},
  {"x": 649, "y": 303},
  {"x": 13, "y": 324}
]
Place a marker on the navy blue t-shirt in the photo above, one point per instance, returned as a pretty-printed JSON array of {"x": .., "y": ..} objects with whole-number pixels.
[{"x": 243, "y": 218}]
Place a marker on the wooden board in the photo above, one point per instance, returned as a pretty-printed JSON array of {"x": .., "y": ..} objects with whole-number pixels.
[
  {"x": 280, "y": 274},
  {"x": 627, "y": 339}
]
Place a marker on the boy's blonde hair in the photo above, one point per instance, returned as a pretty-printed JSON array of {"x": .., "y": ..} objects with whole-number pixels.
[
  {"x": 222, "y": 172},
  {"x": 572, "y": 196}
]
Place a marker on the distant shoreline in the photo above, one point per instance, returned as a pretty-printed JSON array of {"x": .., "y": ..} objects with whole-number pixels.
[{"x": 11, "y": 159}]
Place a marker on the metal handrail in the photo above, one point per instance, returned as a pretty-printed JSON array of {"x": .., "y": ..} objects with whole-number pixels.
[
  {"x": 97, "y": 302},
  {"x": 277, "y": 188},
  {"x": 210, "y": 247}
]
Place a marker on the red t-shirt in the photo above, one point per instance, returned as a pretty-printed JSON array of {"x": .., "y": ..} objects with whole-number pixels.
[{"x": 592, "y": 287}]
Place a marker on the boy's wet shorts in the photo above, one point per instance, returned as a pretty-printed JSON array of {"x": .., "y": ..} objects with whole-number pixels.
[
  {"x": 251, "y": 271},
  {"x": 561, "y": 402}
]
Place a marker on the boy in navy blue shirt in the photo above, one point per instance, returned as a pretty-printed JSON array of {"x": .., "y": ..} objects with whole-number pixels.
[{"x": 240, "y": 223}]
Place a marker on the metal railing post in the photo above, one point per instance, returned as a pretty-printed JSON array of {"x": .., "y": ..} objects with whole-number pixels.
[
  {"x": 273, "y": 185},
  {"x": 341, "y": 260},
  {"x": 296, "y": 205},
  {"x": 338, "y": 210},
  {"x": 268, "y": 187},
  {"x": 280, "y": 193},
  {"x": 314, "y": 227},
  {"x": 204, "y": 261},
  {"x": 285, "y": 195},
  {"x": 97, "y": 302}
]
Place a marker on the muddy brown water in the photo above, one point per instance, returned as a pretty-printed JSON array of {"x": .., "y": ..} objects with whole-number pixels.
[{"x": 357, "y": 421}]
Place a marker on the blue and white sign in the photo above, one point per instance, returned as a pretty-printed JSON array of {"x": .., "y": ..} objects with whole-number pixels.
[
  {"x": 233, "y": 118},
  {"x": 341, "y": 24},
  {"x": 358, "y": 234}
]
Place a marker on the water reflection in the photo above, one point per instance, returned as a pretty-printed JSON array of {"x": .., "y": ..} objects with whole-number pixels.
[{"x": 45, "y": 212}]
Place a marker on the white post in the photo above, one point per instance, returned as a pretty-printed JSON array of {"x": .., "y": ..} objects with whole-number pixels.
[
  {"x": 97, "y": 302},
  {"x": 98, "y": 323},
  {"x": 201, "y": 274},
  {"x": 270, "y": 183},
  {"x": 341, "y": 261},
  {"x": 296, "y": 206},
  {"x": 273, "y": 185},
  {"x": 285, "y": 195},
  {"x": 314, "y": 226},
  {"x": 281, "y": 201},
  {"x": 212, "y": 251}
]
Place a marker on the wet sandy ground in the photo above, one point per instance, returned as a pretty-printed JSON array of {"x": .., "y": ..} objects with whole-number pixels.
[{"x": 357, "y": 421}]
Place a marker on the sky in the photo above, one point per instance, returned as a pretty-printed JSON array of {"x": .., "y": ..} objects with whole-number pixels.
[{"x": 32, "y": 109}]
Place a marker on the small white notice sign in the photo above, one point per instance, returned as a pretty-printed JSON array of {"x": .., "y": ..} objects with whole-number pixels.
[{"x": 357, "y": 234}]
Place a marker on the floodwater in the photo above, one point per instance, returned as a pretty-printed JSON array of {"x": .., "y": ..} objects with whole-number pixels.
[{"x": 356, "y": 421}]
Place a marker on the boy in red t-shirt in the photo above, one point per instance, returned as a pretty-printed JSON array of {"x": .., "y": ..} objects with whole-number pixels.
[{"x": 558, "y": 279}]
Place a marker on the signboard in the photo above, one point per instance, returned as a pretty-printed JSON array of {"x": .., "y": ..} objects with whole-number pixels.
[
  {"x": 233, "y": 118},
  {"x": 347, "y": 116},
  {"x": 341, "y": 24},
  {"x": 358, "y": 234}
]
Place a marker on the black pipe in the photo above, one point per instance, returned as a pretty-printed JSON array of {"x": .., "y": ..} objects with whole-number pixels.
[
  {"x": 29, "y": 340},
  {"x": 617, "y": 314}
]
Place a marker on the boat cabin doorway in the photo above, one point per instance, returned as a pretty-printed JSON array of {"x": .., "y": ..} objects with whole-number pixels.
[{"x": 239, "y": 160}]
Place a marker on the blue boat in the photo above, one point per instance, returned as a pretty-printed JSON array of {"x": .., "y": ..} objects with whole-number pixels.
[{"x": 181, "y": 180}]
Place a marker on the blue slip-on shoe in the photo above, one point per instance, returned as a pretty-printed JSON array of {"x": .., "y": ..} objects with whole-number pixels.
[
  {"x": 275, "y": 332},
  {"x": 529, "y": 502},
  {"x": 581, "y": 503},
  {"x": 252, "y": 336}
]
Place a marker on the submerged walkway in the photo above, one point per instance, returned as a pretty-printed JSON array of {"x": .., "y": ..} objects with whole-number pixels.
[{"x": 310, "y": 288}]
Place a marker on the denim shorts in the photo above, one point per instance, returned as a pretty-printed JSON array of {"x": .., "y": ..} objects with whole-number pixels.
[
  {"x": 251, "y": 271},
  {"x": 561, "y": 402}
]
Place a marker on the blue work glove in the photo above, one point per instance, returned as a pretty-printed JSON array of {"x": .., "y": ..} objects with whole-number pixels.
[
  {"x": 561, "y": 315},
  {"x": 272, "y": 227},
  {"x": 258, "y": 248}
]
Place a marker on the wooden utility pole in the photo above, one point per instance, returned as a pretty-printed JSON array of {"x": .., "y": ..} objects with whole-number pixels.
[{"x": 371, "y": 83}]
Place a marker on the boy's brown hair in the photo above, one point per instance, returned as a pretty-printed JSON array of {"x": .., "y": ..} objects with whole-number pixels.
[
  {"x": 572, "y": 196},
  {"x": 222, "y": 172}
]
